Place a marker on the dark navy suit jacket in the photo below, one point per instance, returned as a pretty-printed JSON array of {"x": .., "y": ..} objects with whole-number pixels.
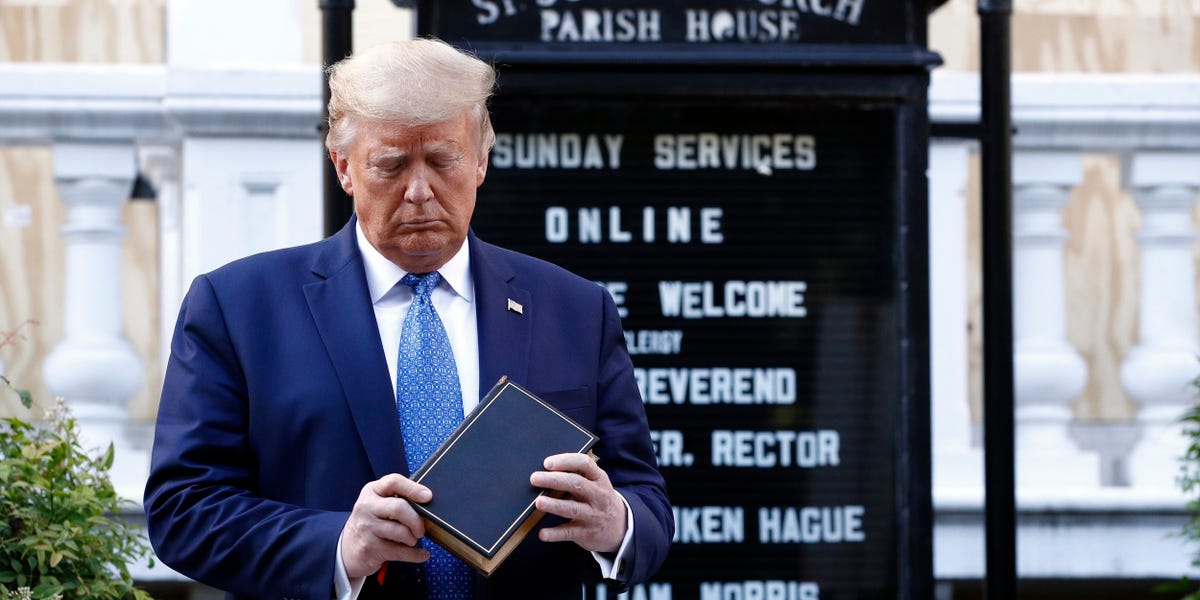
[{"x": 277, "y": 408}]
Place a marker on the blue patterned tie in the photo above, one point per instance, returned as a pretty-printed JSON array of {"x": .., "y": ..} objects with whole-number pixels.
[{"x": 429, "y": 400}]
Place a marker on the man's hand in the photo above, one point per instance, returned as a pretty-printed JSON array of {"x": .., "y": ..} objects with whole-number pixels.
[
  {"x": 595, "y": 510},
  {"x": 383, "y": 526}
]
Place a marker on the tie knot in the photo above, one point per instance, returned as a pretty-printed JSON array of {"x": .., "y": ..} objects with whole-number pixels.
[{"x": 422, "y": 284}]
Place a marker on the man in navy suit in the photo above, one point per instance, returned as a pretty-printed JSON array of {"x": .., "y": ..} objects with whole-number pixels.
[{"x": 279, "y": 466}]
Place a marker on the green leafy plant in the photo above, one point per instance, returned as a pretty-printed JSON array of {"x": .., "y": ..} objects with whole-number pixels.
[
  {"x": 60, "y": 536},
  {"x": 1189, "y": 482}
]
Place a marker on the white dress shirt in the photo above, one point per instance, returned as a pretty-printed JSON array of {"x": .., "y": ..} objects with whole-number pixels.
[{"x": 454, "y": 301}]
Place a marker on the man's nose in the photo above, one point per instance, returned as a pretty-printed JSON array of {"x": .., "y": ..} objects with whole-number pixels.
[{"x": 418, "y": 190}]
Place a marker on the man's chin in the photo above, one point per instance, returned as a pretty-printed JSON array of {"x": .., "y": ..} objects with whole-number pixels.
[{"x": 425, "y": 250}]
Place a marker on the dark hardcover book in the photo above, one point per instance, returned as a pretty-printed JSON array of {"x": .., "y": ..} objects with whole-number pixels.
[{"x": 482, "y": 503}]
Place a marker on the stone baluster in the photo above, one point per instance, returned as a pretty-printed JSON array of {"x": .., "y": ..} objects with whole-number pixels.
[
  {"x": 94, "y": 368},
  {"x": 957, "y": 459},
  {"x": 1159, "y": 369},
  {"x": 1049, "y": 371},
  {"x": 160, "y": 164}
]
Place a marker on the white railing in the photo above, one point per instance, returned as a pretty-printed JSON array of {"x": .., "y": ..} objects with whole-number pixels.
[
  {"x": 220, "y": 145},
  {"x": 1095, "y": 499},
  {"x": 229, "y": 147}
]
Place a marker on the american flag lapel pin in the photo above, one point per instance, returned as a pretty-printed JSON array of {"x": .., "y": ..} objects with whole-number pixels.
[{"x": 516, "y": 307}]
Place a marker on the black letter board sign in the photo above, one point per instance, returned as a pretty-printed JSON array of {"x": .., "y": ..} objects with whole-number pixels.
[
  {"x": 524, "y": 24},
  {"x": 756, "y": 204}
]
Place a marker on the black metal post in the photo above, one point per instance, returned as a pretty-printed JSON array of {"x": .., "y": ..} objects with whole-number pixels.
[
  {"x": 995, "y": 18},
  {"x": 336, "y": 44}
]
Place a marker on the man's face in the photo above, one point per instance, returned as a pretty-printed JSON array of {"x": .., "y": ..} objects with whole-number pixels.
[{"x": 414, "y": 187}]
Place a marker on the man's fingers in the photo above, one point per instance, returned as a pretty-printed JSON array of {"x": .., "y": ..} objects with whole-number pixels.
[
  {"x": 395, "y": 485},
  {"x": 383, "y": 525},
  {"x": 564, "y": 508},
  {"x": 388, "y": 551},
  {"x": 573, "y": 473},
  {"x": 561, "y": 533},
  {"x": 397, "y": 510},
  {"x": 575, "y": 463},
  {"x": 571, "y": 483},
  {"x": 593, "y": 509},
  {"x": 396, "y": 532},
  {"x": 363, "y": 559},
  {"x": 402, "y": 553}
]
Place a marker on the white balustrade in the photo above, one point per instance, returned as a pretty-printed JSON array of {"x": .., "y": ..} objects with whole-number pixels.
[
  {"x": 1159, "y": 369},
  {"x": 1125, "y": 528},
  {"x": 94, "y": 368},
  {"x": 1049, "y": 371}
]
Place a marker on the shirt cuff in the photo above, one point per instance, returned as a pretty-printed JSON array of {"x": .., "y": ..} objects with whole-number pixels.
[
  {"x": 612, "y": 566},
  {"x": 343, "y": 587}
]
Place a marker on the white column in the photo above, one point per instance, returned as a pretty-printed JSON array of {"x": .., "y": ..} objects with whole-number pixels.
[
  {"x": 1049, "y": 371},
  {"x": 957, "y": 462},
  {"x": 249, "y": 114},
  {"x": 258, "y": 32},
  {"x": 1159, "y": 370},
  {"x": 160, "y": 164},
  {"x": 94, "y": 368},
  {"x": 243, "y": 196}
]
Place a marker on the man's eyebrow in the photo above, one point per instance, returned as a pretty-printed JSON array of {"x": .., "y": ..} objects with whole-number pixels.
[
  {"x": 444, "y": 146},
  {"x": 386, "y": 155}
]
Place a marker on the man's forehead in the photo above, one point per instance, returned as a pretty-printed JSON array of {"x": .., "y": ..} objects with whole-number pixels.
[
  {"x": 402, "y": 145},
  {"x": 385, "y": 136}
]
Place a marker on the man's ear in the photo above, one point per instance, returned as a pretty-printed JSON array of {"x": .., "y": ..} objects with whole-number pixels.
[
  {"x": 341, "y": 164},
  {"x": 481, "y": 170}
]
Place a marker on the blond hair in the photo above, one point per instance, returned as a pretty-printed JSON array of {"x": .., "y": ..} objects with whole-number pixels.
[{"x": 413, "y": 82}]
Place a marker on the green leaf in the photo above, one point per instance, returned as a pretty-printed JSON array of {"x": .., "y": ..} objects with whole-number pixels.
[
  {"x": 1173, "y": 587},
  {"x": 47, "y": 589},
  {"x": 26, "y": 398}
]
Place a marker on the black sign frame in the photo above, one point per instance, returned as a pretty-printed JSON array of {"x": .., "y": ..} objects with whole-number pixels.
[{"x": 892, "y": 78}]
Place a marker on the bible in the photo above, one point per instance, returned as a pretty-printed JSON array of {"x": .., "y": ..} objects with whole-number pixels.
[{"x": 483, "y": 503}]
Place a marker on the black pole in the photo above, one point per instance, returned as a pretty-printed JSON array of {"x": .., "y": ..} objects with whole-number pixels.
[
  {"x": 995, "y": 17},
  {"x": 336, "y": 43}
]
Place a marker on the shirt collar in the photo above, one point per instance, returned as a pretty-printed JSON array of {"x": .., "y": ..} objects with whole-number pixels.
[{"x": 383, "y": 274}]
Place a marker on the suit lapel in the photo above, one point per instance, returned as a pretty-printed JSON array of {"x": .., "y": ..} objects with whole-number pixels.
[
  {"x": 341, "y": 307},
  {"x": 503, "y": 313}
]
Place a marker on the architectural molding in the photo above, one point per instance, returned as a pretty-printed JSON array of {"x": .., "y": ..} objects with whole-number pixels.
[
  {"x": 41, "y": 103},
  {"x": 1100, "y": 112}
]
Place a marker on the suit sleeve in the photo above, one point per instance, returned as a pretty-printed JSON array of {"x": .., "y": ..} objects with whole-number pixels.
[
  {"x": 626, "y": 452},
  {"x": 206, "y": 517}
]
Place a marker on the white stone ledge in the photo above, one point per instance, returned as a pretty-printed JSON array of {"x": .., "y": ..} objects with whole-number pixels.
[
  {"x": 83, "y": 80},
  {"x": 41, "y": 103},
  {"x": 1066, "y": 545},
  {"x": 1112, "y": 533},
  {"x": 1115, "y": 500},
  {"x": 1098, "y": 112},
  {"x": 241, "y": 102}
]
